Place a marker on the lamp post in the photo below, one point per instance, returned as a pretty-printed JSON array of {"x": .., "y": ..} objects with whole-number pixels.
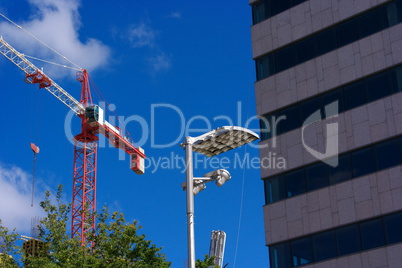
[{"x": 211, "y": 143}]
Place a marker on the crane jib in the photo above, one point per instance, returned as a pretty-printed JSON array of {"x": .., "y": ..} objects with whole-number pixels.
[
  {"x": 34, "y": 75},
  {"x": 85, "y": 144}
]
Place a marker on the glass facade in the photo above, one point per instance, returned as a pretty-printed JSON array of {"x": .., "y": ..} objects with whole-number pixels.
[
  {"x": 383, "y": 81},
  {"x": 360, "y": 162},
  {"x": 345, "y": 33},
  {"x": 350, "y": 96},
  {"x": 266, "y": 9},
  {"x": 338, "y": 242}
]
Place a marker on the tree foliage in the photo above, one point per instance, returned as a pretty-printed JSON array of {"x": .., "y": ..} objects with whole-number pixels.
[
  {"x": 115, "y": 243},
  {"x": 8, "y": 247},
  {"x": 208, "y": 262}
]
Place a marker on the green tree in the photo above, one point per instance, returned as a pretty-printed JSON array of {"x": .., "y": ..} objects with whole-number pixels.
[
  {"x": 208, "y": 262},
  {"x": 115, "y": 243},
  {"x": 8, "y": 247},
  {"x": 119, "y": 245}
]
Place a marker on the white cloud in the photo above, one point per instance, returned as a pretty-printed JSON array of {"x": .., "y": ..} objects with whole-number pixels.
[
  {"x": 141, "y": 35},
  {"x": 175, "y": 15},
  {"x": 56, "y": 22},
  {"x": 15, "y": 198},
  {"x": 160, "y": 62}
]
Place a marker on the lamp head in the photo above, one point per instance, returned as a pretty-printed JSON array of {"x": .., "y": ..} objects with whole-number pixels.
[
  {"x": 221, "y": 140},
  {"x": 198, "y": 186},
  {"x": 220, "y": 175}
]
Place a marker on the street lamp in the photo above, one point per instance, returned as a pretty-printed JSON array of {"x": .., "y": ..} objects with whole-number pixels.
[{"x": 212, "y": 143}]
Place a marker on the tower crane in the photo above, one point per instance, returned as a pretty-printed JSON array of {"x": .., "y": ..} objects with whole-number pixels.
[{"x": 93, "y": 122}]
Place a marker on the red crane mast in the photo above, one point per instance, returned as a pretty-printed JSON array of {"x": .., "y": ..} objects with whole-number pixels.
[
  {"x": 84, "y": 173},
  {"x": 85, "y": 144}
]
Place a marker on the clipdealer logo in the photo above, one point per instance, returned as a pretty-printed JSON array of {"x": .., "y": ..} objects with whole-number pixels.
[
  {"x": 331, "y": 154},
  {"x": 271, "y": 160}
]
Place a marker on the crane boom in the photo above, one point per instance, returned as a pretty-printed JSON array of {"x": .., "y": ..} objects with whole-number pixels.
[
  {"x": 85, "y": 144},
  {"x": 33, "y": 73}
]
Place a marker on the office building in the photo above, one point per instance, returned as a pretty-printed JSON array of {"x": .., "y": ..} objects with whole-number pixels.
[{"x": 329, "y": 93}]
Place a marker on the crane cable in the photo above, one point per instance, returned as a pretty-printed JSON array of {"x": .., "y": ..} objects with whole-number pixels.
[
  {"x": 54, "y": 63},
  {"x": 100, "y": 96},
  {"x": 35, "y": 149},
  {"x": 33, "y": 179},
  {"x": 55, "y": 51},
  {"x": 40, "y": 41}
]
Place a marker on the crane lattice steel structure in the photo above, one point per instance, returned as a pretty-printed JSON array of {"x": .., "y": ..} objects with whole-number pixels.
[{"x": 85, "y": 144}]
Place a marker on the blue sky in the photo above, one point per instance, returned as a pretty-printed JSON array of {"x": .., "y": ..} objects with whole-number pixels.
[{"x": 168, "y": 67}]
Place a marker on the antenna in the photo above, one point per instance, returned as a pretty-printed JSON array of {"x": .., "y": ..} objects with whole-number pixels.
[{"x": 217, "y": 246}]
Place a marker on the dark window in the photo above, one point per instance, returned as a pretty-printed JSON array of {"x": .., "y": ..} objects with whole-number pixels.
[
  {"x": 265, "y": 128},
  {"x": 279, "y": 121},
  {"x": 347, "y": 33},
  {"x": 302, "y": 252},
  {"x": 400, "y": 144},
  {"x": 372, "y": 234},
  {"x": 354, "y": 164},
  {"x": 393, "y": 14},
  {"x": 265, "y": 67},
  {"x": 326, "y": 41},
  {"x": 399, "y": 10},
  {"x": 348, "y": 240},
  {"x": 348, "y": 97},
  {"x": 387, "y": 154},
  {"x": 338, "y": 242},
  {"x": 378, "y": 86},
  {"x": 396, "y": 79},
  {"x": 317, "y": 176},
  {"x": 324, "y": 246},
  {"x": 291, "y": 119},
  {"x": 363, "y": 162},
  {"x": 276, "y": 121},
  {"x": 274, "y": 189},
  {"x": 260, "y": 11},
  {"x": 330, "y": 97},
  {"x": 393, "y": 224},
  {"x": 296, "y": 2},
  {"x": 342, "y": 172},
  {"x": 335, "y": 37},
  {"x": 305, "y": 50},
  {"x": 284, "y": 59},
  {"x": 279, "y": 6},
  {"x": 309, "y": 107},
  {"x": 279, "y": 255},
  {"x": 355, "y": 95},
  {"x": 295, "y": 183},
  {"x": 370, "y": 23}
]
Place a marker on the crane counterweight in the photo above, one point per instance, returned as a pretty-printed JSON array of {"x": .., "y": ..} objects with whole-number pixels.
[{"x": 39, "y": 78}]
